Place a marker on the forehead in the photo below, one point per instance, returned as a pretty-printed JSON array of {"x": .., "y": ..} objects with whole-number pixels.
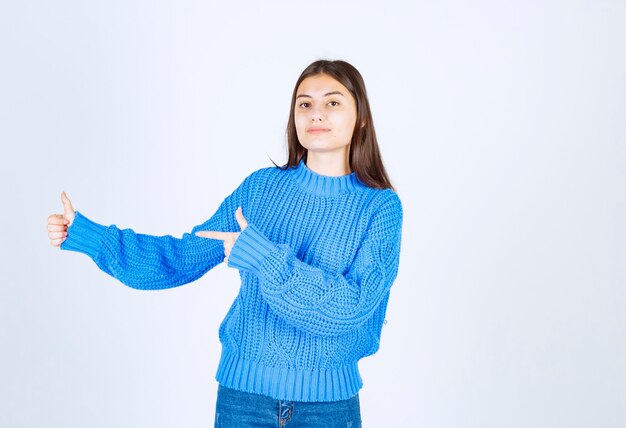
[{"x": 321, "y": 84}]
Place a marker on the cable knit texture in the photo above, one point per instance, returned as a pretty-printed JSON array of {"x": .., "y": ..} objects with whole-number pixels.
[{"x": 317, "y": 261}]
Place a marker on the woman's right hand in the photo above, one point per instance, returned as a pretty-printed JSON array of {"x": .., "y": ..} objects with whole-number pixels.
[{"x": 58, "y": 223}]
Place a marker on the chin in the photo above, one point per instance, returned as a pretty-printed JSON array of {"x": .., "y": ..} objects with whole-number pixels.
[{"x": 320, "y": 148}]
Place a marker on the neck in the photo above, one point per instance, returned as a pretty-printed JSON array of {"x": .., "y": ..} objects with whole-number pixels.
[{"x": 328, "y": 164}]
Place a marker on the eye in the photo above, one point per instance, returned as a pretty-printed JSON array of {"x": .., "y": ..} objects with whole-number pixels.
[
  {"x": 304, "y": 105},
  {"x": 333, "y": 103}
]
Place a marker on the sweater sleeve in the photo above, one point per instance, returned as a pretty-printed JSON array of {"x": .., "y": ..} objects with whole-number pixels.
[
  {"x": 155, "y": 262},
  {"x": 317, "y": 301}
]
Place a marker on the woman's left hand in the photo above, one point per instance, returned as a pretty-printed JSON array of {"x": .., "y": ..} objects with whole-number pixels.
[{"x": 229, "y": 238}]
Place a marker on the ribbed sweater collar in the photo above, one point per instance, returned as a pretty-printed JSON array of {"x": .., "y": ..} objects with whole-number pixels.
[{"x": 324, "y": 185}]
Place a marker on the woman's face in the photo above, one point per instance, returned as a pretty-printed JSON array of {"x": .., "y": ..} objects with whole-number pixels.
[{"x": 325, "y": 114}]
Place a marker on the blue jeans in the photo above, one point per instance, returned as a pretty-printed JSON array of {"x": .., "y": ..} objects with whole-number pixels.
[{"x": 236, "y": 409}]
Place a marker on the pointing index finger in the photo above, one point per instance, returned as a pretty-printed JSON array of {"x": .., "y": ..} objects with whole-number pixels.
[{"x": 213, "y": 234}]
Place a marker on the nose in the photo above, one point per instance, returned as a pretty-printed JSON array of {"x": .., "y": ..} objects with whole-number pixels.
[{"x": 317, "y": 115}]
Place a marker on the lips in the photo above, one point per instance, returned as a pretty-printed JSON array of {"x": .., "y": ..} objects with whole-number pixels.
[{"x": 317, "y": 130}]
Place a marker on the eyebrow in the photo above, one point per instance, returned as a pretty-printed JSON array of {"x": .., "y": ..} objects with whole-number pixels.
[{"x": 326, "y": 94}]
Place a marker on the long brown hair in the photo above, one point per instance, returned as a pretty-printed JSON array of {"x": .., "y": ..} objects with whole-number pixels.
[{"x": 365, "y": 159}]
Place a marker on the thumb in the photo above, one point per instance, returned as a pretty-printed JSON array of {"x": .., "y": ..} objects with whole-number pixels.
[
  {"x": 68, "y": 209},
  {"x": 243, "y": 223}
]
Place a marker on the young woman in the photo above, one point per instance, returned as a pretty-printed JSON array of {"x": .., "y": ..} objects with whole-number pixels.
[{"x": 317, "y": 244}]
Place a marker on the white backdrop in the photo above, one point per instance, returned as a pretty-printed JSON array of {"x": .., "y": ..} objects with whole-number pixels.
[{"x": 502, "y": 126}]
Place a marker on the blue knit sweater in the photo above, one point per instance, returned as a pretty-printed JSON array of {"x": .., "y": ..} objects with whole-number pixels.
[{"x": 316, "y": 262}]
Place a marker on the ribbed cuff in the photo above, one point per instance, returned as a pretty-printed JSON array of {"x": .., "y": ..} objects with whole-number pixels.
[
  {"x": 250, "y": 248},
  {"x": 84, "y": 236}
]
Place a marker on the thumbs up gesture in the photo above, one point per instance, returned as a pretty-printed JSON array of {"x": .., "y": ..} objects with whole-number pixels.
[
  {"x": 58, "y": 223},
  {"x": 229, "y": 238}
]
